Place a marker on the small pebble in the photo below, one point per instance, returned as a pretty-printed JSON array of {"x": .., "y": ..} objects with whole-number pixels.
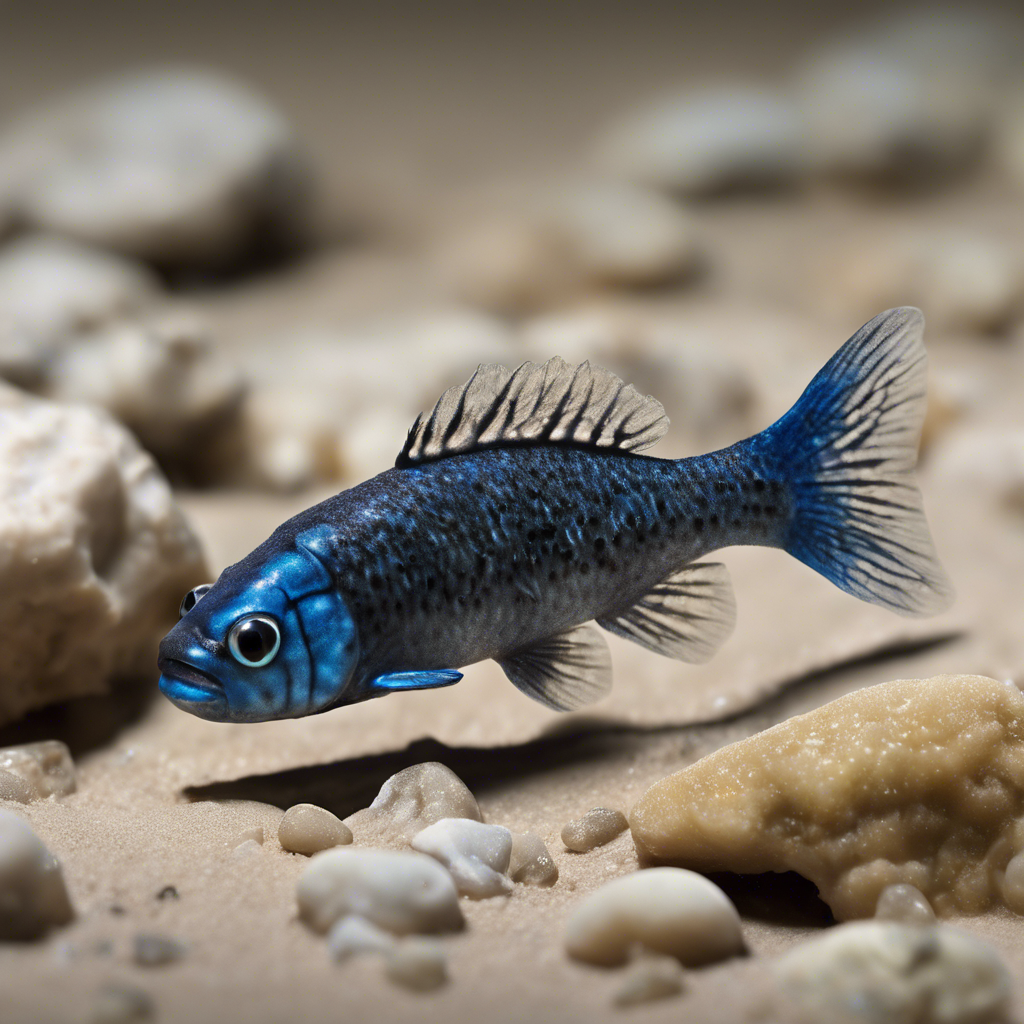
[
  {"x": 308, "y": 829},
  {"x": 354, "y": 934},
  {"x": 247, "y": 848},
  {"x": 120, "y": 1004},
  {"x": 168, "y": 892},
  {"x": 254, "y": 834},
  {"x": 596, "y": 828},
  {"x": 904, "y": 904},
  {"x": 417, "y": 964},
  {"x": 878, "y": 972},
  {"x": 476, "y": 855},
  {"x": 530, "y": 862},
  {"x": 661, "y": 910},
  {"x": 650, "y": 978},
  {"x": 33, "y": 897},
  {"x": 411, "y": 800},
  {"x": 151, "y": 950},
  {"x": 46, "y": 767},
  {"x": 401, "y": 891}
]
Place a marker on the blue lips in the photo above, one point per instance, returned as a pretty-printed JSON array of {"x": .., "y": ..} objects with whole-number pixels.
[{"x": 191, "y": 689}]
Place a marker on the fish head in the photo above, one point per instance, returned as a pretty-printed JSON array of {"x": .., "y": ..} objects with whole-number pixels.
[{"x": 272, "y": 638}]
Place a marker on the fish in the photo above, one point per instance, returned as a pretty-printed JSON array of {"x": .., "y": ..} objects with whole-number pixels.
[{"x": 520, "y": 520}]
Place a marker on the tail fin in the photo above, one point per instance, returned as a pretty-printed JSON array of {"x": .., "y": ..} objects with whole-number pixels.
[{"x": 849, "y": 446}]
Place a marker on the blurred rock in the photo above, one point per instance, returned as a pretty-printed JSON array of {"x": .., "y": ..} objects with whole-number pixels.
[
  {"x": 162, "y": 379},
  {"x": 904, "y": 904},
  {"x": 150, "y": 949},
  {"x": 987, "y": 460},
  {"x": 96, "y": 554},
  {"x": 417, "y": 964},
  {"x": 1009, "y": 136},
  {"x": 873, "y": 972},
  {"x": 530, "y": 862},
  {"x": 476, "y": 855},
  {"x": 33, "y": 898},
  {"x": 122, "y": 1004},
  {"x": 706, "y": 140},
  {"x": 15, "y": 788},
  {"x": 46, "y": 767},
  {"x": 175, "y": 165},
  {"x": 51, "y": 290},
  {"x": 353, "y": 935},
  {"x": 650, "y": 978}
]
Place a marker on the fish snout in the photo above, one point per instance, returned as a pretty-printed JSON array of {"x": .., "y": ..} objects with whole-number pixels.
[{"x": 186, "y": 685}]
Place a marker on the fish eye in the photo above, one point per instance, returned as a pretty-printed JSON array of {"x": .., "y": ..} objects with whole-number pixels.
[
  {"x": 192, "y": 598},
  {"x": 254, "y": 640}
]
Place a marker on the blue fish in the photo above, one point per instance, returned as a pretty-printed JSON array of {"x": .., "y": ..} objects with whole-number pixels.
[{"x": 519, "y": 511}]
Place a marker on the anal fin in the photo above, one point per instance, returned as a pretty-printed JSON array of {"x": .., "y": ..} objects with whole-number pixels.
[
  {"x": 687, "y": 616},
  {"x": 563, "y": 672}
]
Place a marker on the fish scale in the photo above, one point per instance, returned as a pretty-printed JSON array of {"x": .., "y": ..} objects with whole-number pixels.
[{"x": 520, "y": 511}]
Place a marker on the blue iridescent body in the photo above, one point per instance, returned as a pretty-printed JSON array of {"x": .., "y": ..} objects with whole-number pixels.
[{"x": 517, "y": 513}]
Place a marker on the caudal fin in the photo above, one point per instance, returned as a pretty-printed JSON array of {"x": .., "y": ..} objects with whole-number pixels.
[{"x": 849, "y": 446}]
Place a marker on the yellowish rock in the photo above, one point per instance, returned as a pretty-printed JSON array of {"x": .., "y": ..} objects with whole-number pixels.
[{"x": 919, "y": 782}]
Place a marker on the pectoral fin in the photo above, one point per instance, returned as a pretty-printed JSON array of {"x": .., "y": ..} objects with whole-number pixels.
[
  {"x": 687, "y": 616},
  {"x": 563, "y": 672},
  {"x": 429, "y": 680}
]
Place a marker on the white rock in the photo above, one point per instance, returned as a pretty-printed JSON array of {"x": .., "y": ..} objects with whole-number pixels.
[
  {"x": 476, "y": 855},
  {"x": 662, "y": 910},
  {"x": 706, "y": 140},
  {"x": 51, "y": 290},
  {"x": 411, "y": 800},
  {"x": 904, "y": 904},
  {"x": 650, "y": 978},
  {"x": 308, "y": 829},
  {"x": 163, "y": 379},
  {"x": 46, "y": 767},
  {"x": 400, "y": 891},
  {"x": 94, "y": 553},
  {"x": 417, "y": 964},
  {"x": 176, "y": 165},
  {"x": 15, "y": 788},
  {"x": 872, "y": 972},
  {"x": 352, "y": 935},
  {"x": 33, "y": 898},
  {"x": 530, "y": 862},
  {"x": 598, "y": 826}
]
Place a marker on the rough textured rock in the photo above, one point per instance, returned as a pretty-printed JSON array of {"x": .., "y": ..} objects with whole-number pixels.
[
  {"x": 51, "y": 290},
  {"x": 476, "y": 855},
  {"x": 175, "y": 165},
  {"x": 94, "y": 553},
  {"x": 411, "y": 800},
  {"x": 33, "y": 898},
  {"x": 306, "y": 828},
  {"x": 401, "y": 892},
  {"x": 918, "y": 782},
  {"x": 530, "y": 863},
  {"x": 874, "y": 972},
  {"x": 45, "y": 767},
  {"x": 598, "y": 826},
  {"x": 706, "y": 140},
  {"x": 15, "y": 788},
  {"x": 650, "y": 978},
  {"x": 417, "y": 964},
  {"x": 661, "y": 910}
]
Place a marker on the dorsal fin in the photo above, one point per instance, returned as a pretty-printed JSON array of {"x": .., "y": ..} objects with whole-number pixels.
[{"x": 550, "y": 403}]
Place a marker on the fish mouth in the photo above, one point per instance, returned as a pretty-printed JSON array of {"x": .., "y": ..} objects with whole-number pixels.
[{"x": 189, "y": 687}]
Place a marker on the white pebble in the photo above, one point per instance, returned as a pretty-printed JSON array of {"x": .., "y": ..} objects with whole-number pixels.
[
  {"x": 411, "y": 800},
  {"x": 46, "y": 767},
  {"x": 596, "y": 828},
  {"x": 247, "y": 848},
  {"x": 417, "y": 964},
  {"x": 308, "y": 829},
  {"x": 663, "y": 910},
  {"x": 530, "y": 862},
  {"x": 649, "y": 978},
  {"x": 904, "y": 904},
  {"x": 352, "y": 935},
  {"x": 476, "y": 855},
  {"x": 400, "y": 891},
  {"x": 874, "y": 972},
  {"x": 33, "y": 897}
]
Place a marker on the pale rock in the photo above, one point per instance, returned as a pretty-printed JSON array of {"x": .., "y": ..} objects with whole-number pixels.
[
  {"x": 706, "y": 140},
  {"x": 597, "y": 827},
  {"x": 164, "y": 380},
  {"x": 46, "y": 767},
  {"x": 649, "y": 978},
  {"x": 914, "y": 782},
  {"x": 476, "y": 855},
  {"x": 402, "y": 892},
  {"x": 94, "y": 553},
  {"x": 153, "y": 950},
  {"x": 905, "y": 904},
  {"x": 872, "y": 972},
  {"x": 411, "y": 800},
  {"x": 51, "y": 290},
  {"x": 15, "y": 788},
  {"x": 987, "y": 460},
  {"x": 308, "y": 829},
  {"x": 247, "y": 849},
  {"x": 122, "y": 1004},
  {"x": 661, "y": 910},
  {"x": 176, "y": 165},
  {"x": 530, "y": 863},
  {"x": 33, "y": 898},
  {"x": 417, "y": 964},
  {"x": 353, "y": 935}
]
